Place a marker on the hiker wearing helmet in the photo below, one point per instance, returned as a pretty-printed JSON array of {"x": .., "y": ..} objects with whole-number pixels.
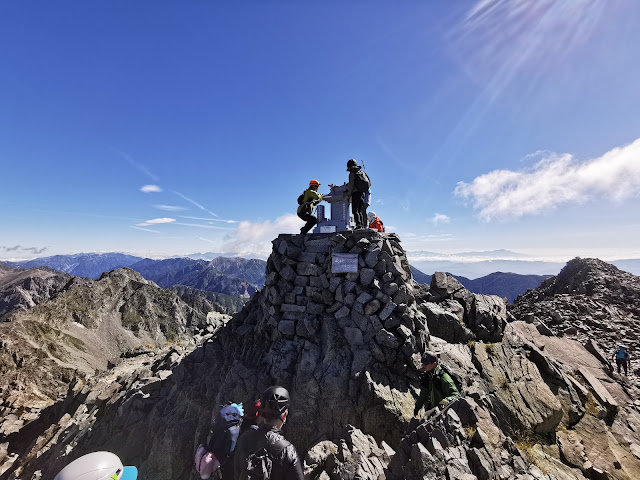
[
  {"x": 97, "y": 466},
  {"x": 357, "y": 189},
  {"x": 264, "y": 452},
  {"x": 437, "y": 387},
  {"x": 623, "y": 358},
  {"x": 375, "y": 222},
  {"x": 309, "y": 199}
]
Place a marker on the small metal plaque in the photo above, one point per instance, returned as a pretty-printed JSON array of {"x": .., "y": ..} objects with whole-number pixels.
[{"x": 344, "y": 262}]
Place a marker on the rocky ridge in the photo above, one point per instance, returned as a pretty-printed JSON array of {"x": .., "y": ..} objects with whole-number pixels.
[
  {"x": 589, "y": 300},
  {"x": 84, "y": 329},
  {"x": 23, "y": 289},
  {"x": 534, "y": 406}
]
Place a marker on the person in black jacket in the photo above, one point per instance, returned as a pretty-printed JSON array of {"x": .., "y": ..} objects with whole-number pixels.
[
  {"x": 265, "y": 449},
  {"x": 356, "y": 195}
]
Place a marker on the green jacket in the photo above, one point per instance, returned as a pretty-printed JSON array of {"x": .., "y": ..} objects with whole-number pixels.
[
  {"x": 311, "y": 199},
  {"x": 438, "y": 388}
]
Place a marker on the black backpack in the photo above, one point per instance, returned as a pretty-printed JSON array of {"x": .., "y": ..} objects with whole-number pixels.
[
  {"x": 301, "y": 198},
  {"x": 259, "y": 464},
  {"x": 362, "y": 182}
]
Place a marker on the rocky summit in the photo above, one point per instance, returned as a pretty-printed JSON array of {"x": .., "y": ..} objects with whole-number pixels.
[
  {"x": 341, "y": 323},
  {"x": 589, "y": 300}
]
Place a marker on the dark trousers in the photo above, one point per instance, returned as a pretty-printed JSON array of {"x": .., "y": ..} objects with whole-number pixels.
[
  {"x": 359, "y": 209},
  {"x": 310, "y": 219},
  {"x": 621, "y": 362}
]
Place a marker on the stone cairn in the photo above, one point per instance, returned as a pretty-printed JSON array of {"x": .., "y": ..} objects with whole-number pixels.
[{"x": 344, "y": 343}]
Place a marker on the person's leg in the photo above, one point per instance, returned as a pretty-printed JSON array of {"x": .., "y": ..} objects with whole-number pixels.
[
  {"x": 625, "y": 365},
  {"x": 311, "y": 221},
  {"x": 618, "y": 364},
  {"x": 357, "y": 201}
]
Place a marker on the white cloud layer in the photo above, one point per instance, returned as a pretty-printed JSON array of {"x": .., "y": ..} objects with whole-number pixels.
[
  {"x": 255, "y": 238},
  {"x": 150, "y": 189},
  {"x": 155, "y": 221},
  {"x": 439, "y": 218},
  {"x": 555, "y": 181}
]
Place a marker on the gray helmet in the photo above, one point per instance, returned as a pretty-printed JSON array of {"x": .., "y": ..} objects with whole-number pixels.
[
  {"x": 275, "y": 400},
  {"x": 351, "y": 163}
]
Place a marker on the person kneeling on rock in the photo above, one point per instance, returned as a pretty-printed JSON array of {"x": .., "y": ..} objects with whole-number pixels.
[{"x": 437, "y": 387}]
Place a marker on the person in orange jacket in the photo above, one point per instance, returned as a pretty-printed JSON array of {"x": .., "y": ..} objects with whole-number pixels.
[{"x": 375, "y": 222}]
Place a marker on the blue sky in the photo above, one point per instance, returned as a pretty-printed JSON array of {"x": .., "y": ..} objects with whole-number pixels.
[{"x": 483, "y": 124}]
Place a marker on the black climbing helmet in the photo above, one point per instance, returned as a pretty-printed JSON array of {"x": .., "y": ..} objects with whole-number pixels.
[
  {"x": 275, "y": 401},
  {"x": 351, "y": 163}
]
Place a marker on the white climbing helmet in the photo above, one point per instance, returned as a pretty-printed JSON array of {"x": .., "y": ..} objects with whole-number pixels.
[
  {"x": 371, "y": 216},
  {"x": 97, "y": 466}
]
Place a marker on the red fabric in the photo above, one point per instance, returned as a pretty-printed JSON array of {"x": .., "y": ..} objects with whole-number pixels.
[{"x": 377, "y": 224}]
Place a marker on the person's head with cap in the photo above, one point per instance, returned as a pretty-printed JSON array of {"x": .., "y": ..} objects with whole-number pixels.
[
  {"x": 97, "y": 466},
  {"x": 275, "y": 405},
  {"x": 352, "y": 164},
  {"x": 429, "y": 361}
]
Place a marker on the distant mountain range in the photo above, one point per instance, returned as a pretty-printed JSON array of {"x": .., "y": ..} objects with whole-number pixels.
[
  {"x": 478, "y": 264},
  {"x": 90, "y": 265},
  {"x": 241, "y": 277},
  {"x": 505, "y": 285},
  {"x": 236, "y": 277},
  {"x": 200, "y": 274}
]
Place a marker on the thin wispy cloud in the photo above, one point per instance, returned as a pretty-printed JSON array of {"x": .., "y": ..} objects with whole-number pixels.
[
  {"x": 208, "y": 219},
  {"x": 206, "y": 240},
  {"x": 150, "y": 189},
  {"x": 137, "y": 165},
  {"x": 195, "y": 203},
  {"x": 169, "y": 208},
  {"x": 439, "y": 218},
  {"x": 156, "y": 221},
  {"x": 20, "y": 248},
  {"x": 144, "y": 229},
  {"x": 200, "y": 225},
  {"x": 555, "y": 181}
]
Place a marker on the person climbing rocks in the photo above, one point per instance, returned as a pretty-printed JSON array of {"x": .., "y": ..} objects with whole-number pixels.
[
  {"x": 375, "y": 222},
  {"x": 309, "y": 199},
  {"x": 97, "y": 466},
  {"x": 264, "y": 453},
  {"x": 437, "y": 387},
  {"x": 214, "y": 457},
  {"x": 623, "y": 358},
  {"x": 357, "y": 189}
]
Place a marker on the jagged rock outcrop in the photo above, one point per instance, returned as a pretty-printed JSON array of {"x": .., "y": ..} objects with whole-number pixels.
[
  {"x": 589, "y": 300},
  {"x": 23, "y": 289},
  {"x": 457, "y": 315},
  {"x": 529, "y": 413},
  {"x": 87, "y": 327}
]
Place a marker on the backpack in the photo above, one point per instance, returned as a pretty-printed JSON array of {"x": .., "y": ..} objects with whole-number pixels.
[
  {"x": 301, "y": 198},
  {"x": 259, "y": 464},
  {"x": 362, "y": 182},
  {"x": 222, "y": 438},
  {"x": 457, "y": 379}
]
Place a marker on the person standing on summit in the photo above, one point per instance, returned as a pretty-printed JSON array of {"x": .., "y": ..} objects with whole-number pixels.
[{"x": 357, "y": 188}]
